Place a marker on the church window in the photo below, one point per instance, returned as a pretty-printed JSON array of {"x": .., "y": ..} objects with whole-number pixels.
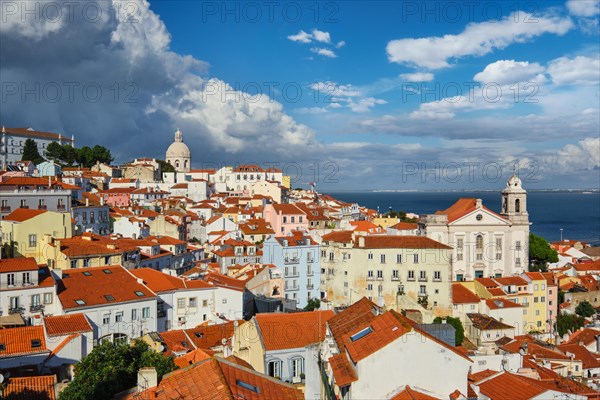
[{"x": 518, "y": 205}]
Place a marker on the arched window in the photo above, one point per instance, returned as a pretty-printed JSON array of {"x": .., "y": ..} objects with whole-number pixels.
[
  {"x": 479, "y": 242},
  {"x": 177, "y": 164},
  {"x": 185, "y": 164},
  {"x": 518, "y": 205},
  {"x": 274, "y": 368}
]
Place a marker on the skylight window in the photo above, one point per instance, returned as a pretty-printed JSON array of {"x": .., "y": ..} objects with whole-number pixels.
[
  {"x": 87, "y": 273},
  {"x": 107, "y": 271},
  {"x": 80, "y": 302},
  {"x": 139, "y": 294},
  {"x": 2, "y": 347},
  {"x": 36, "y": 343},
  {"x": 361, "y": 334},
  {"x": 247, "y": 386},
  {"x": 109, "y": 297}
]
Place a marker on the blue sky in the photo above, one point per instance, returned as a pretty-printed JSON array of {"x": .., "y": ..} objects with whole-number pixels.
[{"x": 376, "y": 88}]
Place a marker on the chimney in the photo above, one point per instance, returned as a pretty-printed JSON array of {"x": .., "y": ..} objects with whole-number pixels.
[
  {"x": 101, "y": 200},
  {"x": 147, "y": 378},
  {"x": 87, "y": 202},
  {"x": 361, "y": 241},
  {"x": 478, "y": 203}
]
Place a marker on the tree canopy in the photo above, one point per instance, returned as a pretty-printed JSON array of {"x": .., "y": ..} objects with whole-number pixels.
[
  {"x": 165, "y": 166},
  {"x": 540, "y": 253},
  {"x": 84, "y": 157},
  {"x": 568, "y": 322},
  {"x": 313, "y": 304},
  {"x": 112, "y": 368},
  {"x": 31, "y": 153},
  {"x": 585, "y": 309}
]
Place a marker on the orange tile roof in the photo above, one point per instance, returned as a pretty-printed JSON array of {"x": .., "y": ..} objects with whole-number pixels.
[
  {"x": 338, "y": 236},
  {"x": 23, "y": 214},
  {"x": 585, "y": 335},
  {"x": 239, "y": 361},
  {"x": 209, "y": 336},
  {"x": 18, "y": 264},
  {"x": 225, "y": 281},
  {"x": 487, "y": 282},
  {"x": 383, "y": 330},
  {"x": 364, "y": 226},
  {"x": 91, "y": 285},
  {"x": 176, "y": 341},
  {"x": 18, "y": 341},
  {"x": 581, "y": 353},
  {"x": 506, "y": 385},
  {"x": 495, "y": 304},
  {"x": 287, "y": 209},
  {"x": 192, "y": 357},
  {"x": 359, "y": 313},
  {"x": 215, "y": 378},
  {"x": 411, "y": 394},
  {"x": 30, "y": 388},
  {"x": 294, "y": 330},
  {"x": 461, "y": 208},
  {"x": 405, "y": 226},
  {"x": 60, "y": 325},
  {"x": 28, "y": 132},
  {"x": 511, "y": 280},
  {"x": 160, "y": 282},
  {"x": 343, "y": 371},
  {"x": 496, "y": 291},
  {"x": 462, "y": 295},
  {"x": 400, "y": 242},
  {"x": 485, "y": 322}
]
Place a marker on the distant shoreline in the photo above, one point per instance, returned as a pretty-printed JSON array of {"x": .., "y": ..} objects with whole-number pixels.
[{"x": 582, "y": 191}]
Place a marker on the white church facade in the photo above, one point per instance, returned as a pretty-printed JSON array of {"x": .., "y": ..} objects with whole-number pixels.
[
  {"x": 485, "y": 243},
  {"x": 178, "y": 154}
]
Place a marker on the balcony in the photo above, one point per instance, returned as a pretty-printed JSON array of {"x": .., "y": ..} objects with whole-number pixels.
[
  {"x": 370, "y": 278},
  {"x": 16, "y": 310},
  {"x": 5, "y": 209},
  {"x": 42, "y": 207},
  {"x": 395, "y": 278},
  {"x": 291, "y": 260},
  {"x": 36, "y": 308},
  {"x": 26, "y": 207},
  {"x": 380, "y": 278},
  {"x": 410, "y": 279},
  {"x": 422, "y": 294},
  {"x": 422, "y": 279},
  {"x": 61, "y": 207},
  {"x": 310, "y": 287},
  {"x": 437, "y": 279}
]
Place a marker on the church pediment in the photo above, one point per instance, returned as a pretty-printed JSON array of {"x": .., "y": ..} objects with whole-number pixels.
[{"x": 480, "y": 217}]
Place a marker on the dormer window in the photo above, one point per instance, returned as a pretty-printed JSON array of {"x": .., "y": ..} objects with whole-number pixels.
[{"x": 36, "y": 343}]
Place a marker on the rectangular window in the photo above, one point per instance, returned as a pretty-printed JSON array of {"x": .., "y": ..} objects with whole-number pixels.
[
  {"x": 293, "y": 219},
  {"x": 10, "y": 279},
  {"x": 395, "y": 274},
  {"x": 106, "y": 319},
  {"x": 416, "y": 258},
  {"x": 119, "y": 317},
  {"x": 422, "y": 289},
  {"x": 379, "y": 274},
  {"x": 26, "y": 278},
  {"x": 47, "y": 298},
  {"x": 32, "y": 240},
  {"x": 146, "y": 312},
  {"x": 35, "y": 300},
  {"x": 383, "y": 259},
  {"x": 437, "y": 276},
  {"x": 73, "y": 263},
  {"x": 86, "y": 262},
  {"x": 422, "y": 275},
  {"x": 285, "y": 220},
  {"x": 92, "y": 219},
  {"x": 193, "y": 302},
  {"x": 370, "y": 286},
  {"x": 398, "y": 258},
  {"x": 370, "y": 274},
  {"x": 411, "y": 275},
  {"x": 459, "y": 257},
  {"x": 370, "y": 256},
  {"x": 204, "y": 303},
  {"x": 134, "y": 314},
  {"x": 518, "y": 245},
  {"x": 180, "y": 303}
]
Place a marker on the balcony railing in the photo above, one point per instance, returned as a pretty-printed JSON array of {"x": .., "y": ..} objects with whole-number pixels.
[
  {"x": 61, "y": 207},
  {"x": 310, "y": 273},
  {"x": 422, "y": 279},
  {"x": 310, "y": 287},
  {"x": 370, "y": 278},
  {"x": 380, "y": 278},
  {"x": 410, "y": 279},
  {"x": 422, "y": 295},
  {"x": 26, "y": 207},
  {"x": 5, "y": 209},
  {"x": 16, "y": 310},
  {"x": 395, "y": 278},
  {"x": 437, "y": 279},
  {"x": 42, "y": 207},
  {"x": 291, "y": 260},
  {"x": 36, "y": 308}
]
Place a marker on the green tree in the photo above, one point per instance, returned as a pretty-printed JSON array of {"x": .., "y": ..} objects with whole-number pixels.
[
  {"x": 100, "y": 154},
  {"x": 111, "y": 368},
  {"x": 165, "y": 166},
  {"x": 55, "y": 152},
  {"x": 568, "y": 322},
  {"x": 313, "y": 304},
  {"x": 585, "y": 309},
  {"x": 31, "y": 153},
  {"x": 540, "y": 253},
  {"x": 459, "y": 335},
  {"x": 69, "y": 156}
]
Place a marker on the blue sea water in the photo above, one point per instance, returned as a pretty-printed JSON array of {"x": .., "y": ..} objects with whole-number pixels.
[{"x": 577, "y": 213}]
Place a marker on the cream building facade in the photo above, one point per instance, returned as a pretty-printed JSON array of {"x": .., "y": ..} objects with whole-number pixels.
[
  {"x": 486, "y": 243},
  {"x": 178, "y": 154}
]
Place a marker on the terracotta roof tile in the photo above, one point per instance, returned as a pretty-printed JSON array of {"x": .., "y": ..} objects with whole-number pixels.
[
  {"x": 495, "y": 304},
  {"x": 67, "y": 324},
  {"x": 463, "y": 207},
  {"x": 293, "y": 330},
  {"x": 209, "y": 336},
  {"x": 585, "y": 335},
  {"x": 343, "y": 371},
  {"x": 405, "y": 226},
  {"x": 400, "y": 242},
  {"x": 462, "y": 295},
  {"x": 338, "y": 236},
  {"x": 485, "y": 322},
  {"x": 92, "y": 285},
  {"x": 18, "y": 264},
  {"x": 31, "y": 388},
  {"x": 176, "y": 341},
  {"x": 358, "y": 314},
  {"x": 193, "y": 357},
  {"x": 411, "y": 394},
  {"x": 18, "y": 341},
  {"x": 23, "y": 214}
]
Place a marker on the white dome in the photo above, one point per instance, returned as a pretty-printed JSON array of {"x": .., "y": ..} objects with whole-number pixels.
[{"x": 178, "y": 150}]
